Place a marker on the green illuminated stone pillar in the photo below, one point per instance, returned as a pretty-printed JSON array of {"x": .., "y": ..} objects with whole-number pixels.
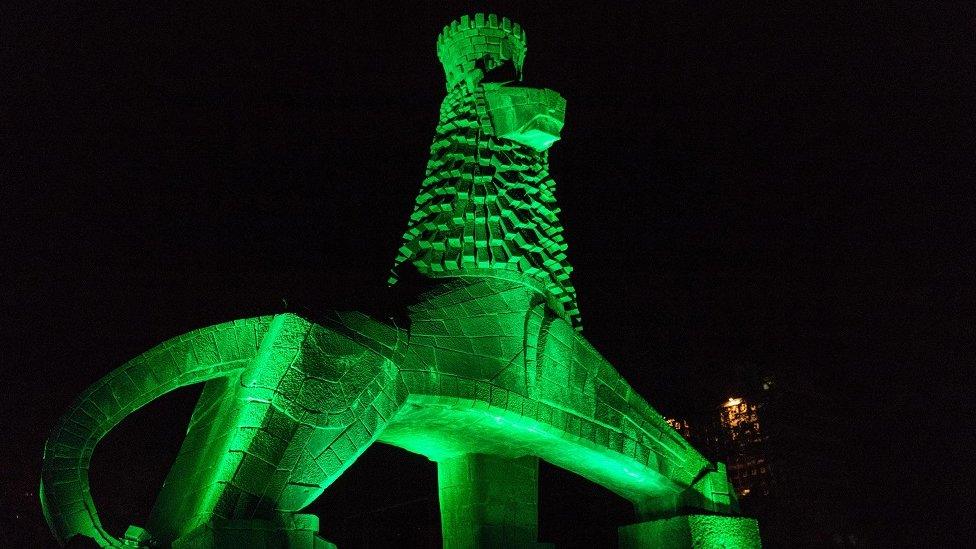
[
  {"x": 692, "y": 531},
  {"x": 489, "y": 501},
  {"x": 671, "y": 521}
]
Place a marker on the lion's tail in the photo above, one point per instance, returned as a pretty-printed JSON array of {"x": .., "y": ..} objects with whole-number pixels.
[{"x": 194, "y": 357}]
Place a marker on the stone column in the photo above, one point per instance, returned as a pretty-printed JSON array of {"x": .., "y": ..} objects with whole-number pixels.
[
  {"x": 489, "y": 501},
  {"x": 692, "y": 532},
  {"x": 705, "y": 516}
]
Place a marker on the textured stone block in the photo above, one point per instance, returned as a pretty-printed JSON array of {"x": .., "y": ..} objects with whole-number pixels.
[
  {"x": 490, "y": 375},
  {"x": 529, "y": 116},
  {"x": 487, "y": 501},
  {"x": 692, "y": 532}
]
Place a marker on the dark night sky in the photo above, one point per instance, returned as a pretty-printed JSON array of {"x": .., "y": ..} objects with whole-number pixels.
[{"x": 776, "y": 188}]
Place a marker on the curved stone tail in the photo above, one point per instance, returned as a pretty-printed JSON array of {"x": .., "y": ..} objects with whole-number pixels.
[{"x": 197, "y": 356}]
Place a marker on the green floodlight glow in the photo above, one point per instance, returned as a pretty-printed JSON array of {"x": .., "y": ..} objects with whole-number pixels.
[{"x": 491, "y": 375}]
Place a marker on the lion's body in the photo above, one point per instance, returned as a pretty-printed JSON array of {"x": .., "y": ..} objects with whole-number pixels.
[
  {"x": 491, "y": 363},
  {"x": 483, "y": 368}
]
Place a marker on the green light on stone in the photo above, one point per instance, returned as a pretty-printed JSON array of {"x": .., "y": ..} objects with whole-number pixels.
[
  {"x": 692, "y": 531},
  {"x": 528, "y": 116},
  {"x": 491, "y": 375}
]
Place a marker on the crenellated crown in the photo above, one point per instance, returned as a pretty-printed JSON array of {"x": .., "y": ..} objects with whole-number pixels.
[{"x": 474, "y": 44}]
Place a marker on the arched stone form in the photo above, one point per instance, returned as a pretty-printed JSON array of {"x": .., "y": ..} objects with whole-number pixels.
[{"x": 491, "y": 374}]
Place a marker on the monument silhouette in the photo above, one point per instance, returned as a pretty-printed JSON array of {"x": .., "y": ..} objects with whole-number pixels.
[{"x": 489, "y": 373}]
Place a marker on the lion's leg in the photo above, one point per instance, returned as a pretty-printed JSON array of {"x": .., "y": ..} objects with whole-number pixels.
[
  {"x": 348, "y": 416},
  {"x": 617, "y": 438},
  {"x": 267, "y": 442}
]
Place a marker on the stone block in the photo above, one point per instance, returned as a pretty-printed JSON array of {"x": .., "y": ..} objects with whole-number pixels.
[{"x": 692, "y": 532}]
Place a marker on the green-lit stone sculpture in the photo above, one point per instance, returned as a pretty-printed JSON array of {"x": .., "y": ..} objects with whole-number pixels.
[{"x": 490, "y": 375}]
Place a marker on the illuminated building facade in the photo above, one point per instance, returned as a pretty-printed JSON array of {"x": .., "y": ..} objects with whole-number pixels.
[
  {"x": 733, "y": 432},
  {"x": 784, "y": 448},
  {"x": 489, "y": 375},
  {"x": 748, "y": 469}
]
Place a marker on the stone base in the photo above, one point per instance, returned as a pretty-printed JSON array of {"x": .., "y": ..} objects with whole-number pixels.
[
  {"x": 692, "y": 531},
  {"x": 489, "y": 501},
  {"x": 291, "y": 532}
]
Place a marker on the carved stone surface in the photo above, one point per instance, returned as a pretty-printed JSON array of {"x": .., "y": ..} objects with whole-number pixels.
[
  {"x": 692, "y": 532},
  {"x": 490, "y": 375}
]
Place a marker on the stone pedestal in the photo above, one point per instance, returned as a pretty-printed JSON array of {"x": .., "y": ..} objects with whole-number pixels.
[
  {"x": 291, "y": 532},
  {"x": 692, "y": 531},
  {"x": 489, "y": 501}
]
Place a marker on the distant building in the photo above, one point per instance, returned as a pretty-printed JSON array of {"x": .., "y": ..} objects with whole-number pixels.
[
  {"x": 732, "y": 433},
  {"x": 745, "y": 452},
  {"x": 784, "y": 445}
]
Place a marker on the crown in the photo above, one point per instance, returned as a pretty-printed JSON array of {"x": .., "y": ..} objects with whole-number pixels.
[{"x": 465, "y": 43}]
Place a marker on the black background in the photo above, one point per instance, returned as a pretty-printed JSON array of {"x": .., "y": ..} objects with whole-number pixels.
[{"x": 776, "y": 187}]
